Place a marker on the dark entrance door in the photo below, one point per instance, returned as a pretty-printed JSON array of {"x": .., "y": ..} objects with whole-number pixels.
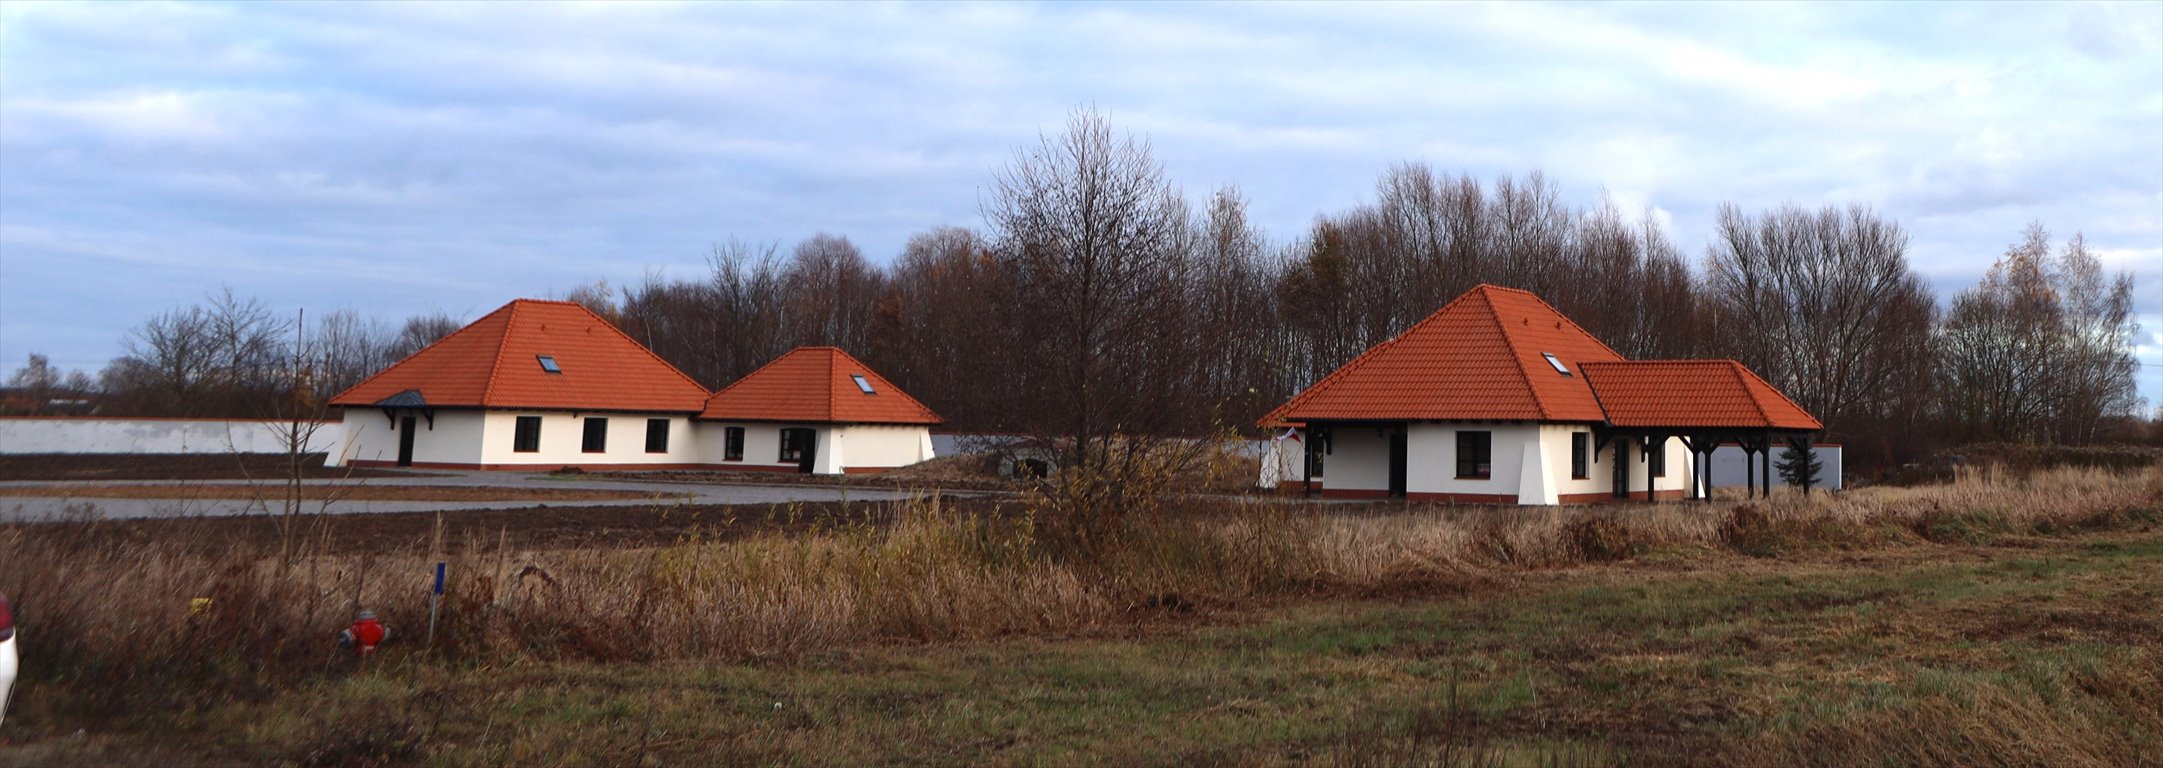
[
  {"x": 1622, "y": 468},
  {"x": 405, "y": 441},
  {"x": 805, "y": 443},
  {"x": 1397, "y": 460}
]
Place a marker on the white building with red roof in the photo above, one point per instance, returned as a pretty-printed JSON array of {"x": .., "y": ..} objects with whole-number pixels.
[
  {"x": 541, "y": 385},
  {"x": 1498, "y": 398},
  {"x": 815, "y": 409}
]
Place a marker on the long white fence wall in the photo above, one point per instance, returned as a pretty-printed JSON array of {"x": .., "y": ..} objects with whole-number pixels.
[
  {"x": 162, "y": 436},
  {"x": 1728, "y": 464}
]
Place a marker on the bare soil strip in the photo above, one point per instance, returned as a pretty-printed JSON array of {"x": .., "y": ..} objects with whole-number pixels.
[
  {"x": 272, "y": 491},
  {"x": 106, "y": 466}
]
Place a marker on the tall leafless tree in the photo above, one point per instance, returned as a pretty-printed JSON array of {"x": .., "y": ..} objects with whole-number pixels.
[
  {"x": 419, "y": 331},
  {"x": 2041, "y": 348},
  {"x": 1823, "y": 304},
  {"x": 1088, "y": 227},
  {"x": 832, "y": 291}
]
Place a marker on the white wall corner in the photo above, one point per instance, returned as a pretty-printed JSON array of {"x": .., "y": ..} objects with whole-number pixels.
[
  {"x": 829, "y": 459},
  {"x": 1535, "y": 486}
]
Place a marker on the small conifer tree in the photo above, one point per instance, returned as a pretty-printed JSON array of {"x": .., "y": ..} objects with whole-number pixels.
[{"x": 1798, "y": 465}]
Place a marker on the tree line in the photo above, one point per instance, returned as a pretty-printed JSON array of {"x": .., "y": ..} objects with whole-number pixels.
[{"x": 1096, "y": 300}]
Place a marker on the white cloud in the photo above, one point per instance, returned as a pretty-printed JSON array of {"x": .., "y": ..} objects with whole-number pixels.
[{"x": 427, "y": 155}]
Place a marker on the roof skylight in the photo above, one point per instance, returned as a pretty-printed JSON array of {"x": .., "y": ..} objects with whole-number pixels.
[
  {"x": 862, "y": 384},
  {"x": 548, "y": 363},
  {"x": 1559, "y": 368}
]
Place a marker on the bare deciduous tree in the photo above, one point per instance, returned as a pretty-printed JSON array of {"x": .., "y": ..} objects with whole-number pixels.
[
  {"x": 1823, "y": 304},
  {"x": 2041, "y": 348},
  {"x": 1089, "y": 232},
  {"x": 831, "y": 294},
  {"x": 419, "y": 331},
  {"x": 349, "y": 348}
]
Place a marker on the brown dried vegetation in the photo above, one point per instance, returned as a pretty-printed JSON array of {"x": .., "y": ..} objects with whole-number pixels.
[{"x": 115, "y": 633}]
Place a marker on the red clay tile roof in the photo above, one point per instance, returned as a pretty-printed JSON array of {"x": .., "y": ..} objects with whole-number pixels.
[
  {"x": 813, "y": 385},
  {"x": 1692, "y": 393},
  {"x": 1477, "y": 358},
  {"x": 494, "y": 362}
]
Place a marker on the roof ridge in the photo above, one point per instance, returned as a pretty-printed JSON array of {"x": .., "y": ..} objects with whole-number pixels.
[
  {"x": 495, "y": 366},
  {"x": 833, "y": 400},
  {"x": 747, "y": 377},
  {"x": 1597, "y": 401},
  {"x": 1342, "y": 370},
  {"x": 1509, "y": 342},
  {"x": 890, "y": 385},
  {"x": 704, "y": 392},
  {"x": 1360, "y": 360},
  {"x": 1745, "y": 370},
  {"x": 415, "y": 353},
  {"x": 1735, "y": 368},
  {"x": 1580, "y": 329}
]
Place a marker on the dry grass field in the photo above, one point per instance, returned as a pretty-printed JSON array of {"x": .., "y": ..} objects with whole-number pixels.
[{"x": 2003, "y": 618}]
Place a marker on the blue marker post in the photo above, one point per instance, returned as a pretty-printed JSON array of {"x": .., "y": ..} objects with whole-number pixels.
[{"x": 435, "y": 599}]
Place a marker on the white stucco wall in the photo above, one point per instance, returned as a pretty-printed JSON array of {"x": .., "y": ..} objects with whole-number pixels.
[
  {"x": 840, "y": 447},
  {"x": 91, "y": 434},
  {"x": 1555, "y": 445},
  {"x": 454, "y": 438},
  {"x": 473, "y": 437},
  {"x": 1431, "y": 458},
  {"x": 563, "y": 438},
  {"x": 762, "y": 444},
  {"x": 1284, "y": 460},
  {"x": 1360, "y": 462},
  {"x": 881, "y": 446}
]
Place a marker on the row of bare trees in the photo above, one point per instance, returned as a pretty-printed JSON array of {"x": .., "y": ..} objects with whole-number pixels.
[
  {"x": 1098, "y": 301},
  {"x": 235, "y": 356}
]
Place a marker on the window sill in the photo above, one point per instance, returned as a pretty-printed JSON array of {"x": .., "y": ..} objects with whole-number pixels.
[{"x": 1476, "y": 477}]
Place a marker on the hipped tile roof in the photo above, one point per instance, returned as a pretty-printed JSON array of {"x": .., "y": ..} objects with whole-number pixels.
[
  {"x": 494, "y": 362},
  {"x": 812, "y": 385},
  {"x": 1692, "y": 393},
  {"x": 1482, "y": 357},
  {"x": 1477, "y": 358}
]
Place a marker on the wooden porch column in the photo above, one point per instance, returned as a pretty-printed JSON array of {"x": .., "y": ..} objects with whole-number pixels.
[{"x": 1765, "y": 467}]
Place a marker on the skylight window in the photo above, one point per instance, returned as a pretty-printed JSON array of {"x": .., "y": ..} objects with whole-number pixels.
[
  {"x": 862, "y": 384},
  {"x": 548, "y": 363},
  {"x": 1559, "y": 368}
]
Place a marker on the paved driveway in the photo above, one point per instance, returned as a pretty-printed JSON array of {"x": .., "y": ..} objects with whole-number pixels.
[{"x": 20, "y": 508}]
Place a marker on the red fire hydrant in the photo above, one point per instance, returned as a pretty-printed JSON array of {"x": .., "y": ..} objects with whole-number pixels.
[{"x": 365, "y": 634}]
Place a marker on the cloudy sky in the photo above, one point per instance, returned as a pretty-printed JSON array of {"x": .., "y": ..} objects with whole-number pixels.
[{"x": 400, "y": 157}]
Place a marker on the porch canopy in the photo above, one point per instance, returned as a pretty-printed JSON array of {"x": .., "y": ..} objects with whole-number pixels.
[{"x": 1703, "y": 403}]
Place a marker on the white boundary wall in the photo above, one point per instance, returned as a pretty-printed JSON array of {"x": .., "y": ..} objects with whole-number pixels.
[
  {"x": 1727, "y": 467},
  {"x": 90, "y": 434}
]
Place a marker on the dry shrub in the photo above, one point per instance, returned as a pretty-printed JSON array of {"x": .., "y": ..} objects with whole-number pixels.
[
  {"x": 1750, "y": 530},
  {"x": 1599, "y": 538}
]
